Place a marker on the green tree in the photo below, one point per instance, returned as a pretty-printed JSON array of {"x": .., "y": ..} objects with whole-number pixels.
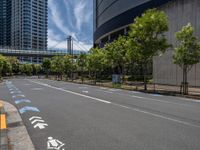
[
  {"x": 5, "y": 66},
  {"x": 26, "y": 69},
  {"x": 147, "y": 38},
  {"x": 36, "y": 68},
  {"x": 15, "y": 64},
  {"x": 116, "y": 54},
  {"x": 57, "y": 66},
  {"x": 2, "y": 59},
  {"x": 46, "y": 66},
  {"x": 68, "y": 65},
  {"x": 187, "y": 53},
  {"x": 82, "y": 64},
  {"x": 96, "y": 62}
]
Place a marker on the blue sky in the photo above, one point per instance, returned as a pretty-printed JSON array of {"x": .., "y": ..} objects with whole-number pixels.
[{"x": 70, "y": 17}]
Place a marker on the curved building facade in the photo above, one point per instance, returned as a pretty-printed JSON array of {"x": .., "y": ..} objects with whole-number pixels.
[{"x": 112, "y": 18}]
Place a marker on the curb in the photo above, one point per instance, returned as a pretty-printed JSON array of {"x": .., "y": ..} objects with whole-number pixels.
[
  {"x": 3, "y": 128},
  {"x": 17, "y": 135}
]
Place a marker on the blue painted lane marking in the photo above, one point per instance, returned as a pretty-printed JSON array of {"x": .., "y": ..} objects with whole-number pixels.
[
  {"x": 22, "y": 101},
  {"x": 28, "y": 108},
  {"x": 18, "y": 95},
  {"x": 156, "y": 95}
]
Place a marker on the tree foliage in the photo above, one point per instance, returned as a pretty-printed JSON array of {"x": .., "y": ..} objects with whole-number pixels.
[
  {"x": 26, "y": 69},
  {"x": 116, "y": 54},
  {"x": 5, "y": 66},
  {"x": 96, "y": 61},
  {"x": 57, "y": 65},
  {"x": 147, "y": 37},
  {"x": 46, "y": 66},
  {"x": 187, "y": 53}
]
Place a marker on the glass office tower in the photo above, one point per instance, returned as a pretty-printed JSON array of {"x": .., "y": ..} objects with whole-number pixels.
[
  {"x": 5, "y": 23},
  {"x": 29, "y": 24},
  {"x": 23, "y": 24}
]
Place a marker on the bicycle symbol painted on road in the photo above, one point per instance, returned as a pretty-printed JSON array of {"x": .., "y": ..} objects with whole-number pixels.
[{"x": 54, "y": 144}]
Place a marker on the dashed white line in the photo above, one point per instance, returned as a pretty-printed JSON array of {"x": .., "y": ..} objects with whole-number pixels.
[
  {"x": 130, "y": 108},
  {"x": 94, "y": 98}
]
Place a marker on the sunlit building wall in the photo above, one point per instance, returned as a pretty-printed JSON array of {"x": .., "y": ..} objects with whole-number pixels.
[{"x": 113, "y": 17}]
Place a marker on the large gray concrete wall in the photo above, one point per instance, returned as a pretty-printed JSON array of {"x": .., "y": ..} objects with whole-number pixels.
[{"x": 180, "y": 13}]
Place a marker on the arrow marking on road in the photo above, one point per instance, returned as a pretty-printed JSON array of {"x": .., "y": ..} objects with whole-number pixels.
[
  {"x": 28, "y": 108},
  {"x": 41, "y": 125},
  {"x": 38, "y": 121},
  {"x": 22, "y": 101},
  {"x": 35, "y": 117}
]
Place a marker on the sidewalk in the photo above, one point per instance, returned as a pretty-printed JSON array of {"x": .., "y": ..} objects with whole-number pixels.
[
  {"x": 3, "y": 128},
  {"x": 14, "y": 135}
]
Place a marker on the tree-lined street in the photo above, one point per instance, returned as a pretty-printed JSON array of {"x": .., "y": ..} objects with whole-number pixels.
[{"x": 89, "y": 117}]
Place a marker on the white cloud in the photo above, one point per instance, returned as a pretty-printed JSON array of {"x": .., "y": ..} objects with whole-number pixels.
[
  {"x": 76, "y": 13},
  {"x": 57, "y": 19},
  {"x": 81, "y": 13}
]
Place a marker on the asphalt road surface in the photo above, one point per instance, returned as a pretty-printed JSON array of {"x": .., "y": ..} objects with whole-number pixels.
[{"x": 66, "y": 116}]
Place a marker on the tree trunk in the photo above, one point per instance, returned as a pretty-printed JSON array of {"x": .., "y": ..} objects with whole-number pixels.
[
  {"x": 95, "y": 76},
  {"x": 145, "y": 79},
  {"x": 184, "y": 83}
]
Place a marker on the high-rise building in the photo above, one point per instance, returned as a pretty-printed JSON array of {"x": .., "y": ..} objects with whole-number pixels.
[
  {"x": 26, "y": 24},
  {"x": 113, "y": 17},
  {"x": 5, "y": 23}
]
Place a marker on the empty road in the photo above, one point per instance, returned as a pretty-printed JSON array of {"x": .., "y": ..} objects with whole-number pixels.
[{"x": 82, "y": 117}]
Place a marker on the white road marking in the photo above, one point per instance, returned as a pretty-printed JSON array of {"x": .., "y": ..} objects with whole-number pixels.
[
  {"x": 55, "y": 144},
  {"x": 190, "y": 100},
  {"x": 35, "y": 117},
  {"x": 83, "y": 87},
  {"x": 37, "y": 89},
  {"x": 108, "y": 92},
  {"x": 137, "y": 96},
  {"x": 162, "y": 101},
  {"x": 130, "y": 108},
  {"x": 39, "y": 123},
  {"x": 103, "y": 88},
  {"x": 135, "y": 92},
  {"x": 158, "y": 116},
  {"x": 104, "y": 91},
  {"x": 85, "y": 91},
  {"x": 36, "y": 120},
  {"x": 94, "y": 98},
  {"x": 114, "y": 90},
  {"x": 18, "y": 95}
]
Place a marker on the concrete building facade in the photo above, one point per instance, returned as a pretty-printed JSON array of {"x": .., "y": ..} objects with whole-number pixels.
[
  {"x": 27, "y": 22},
  {"x": 180, "y": 13},
  {"x": 113, "y": 17}
]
